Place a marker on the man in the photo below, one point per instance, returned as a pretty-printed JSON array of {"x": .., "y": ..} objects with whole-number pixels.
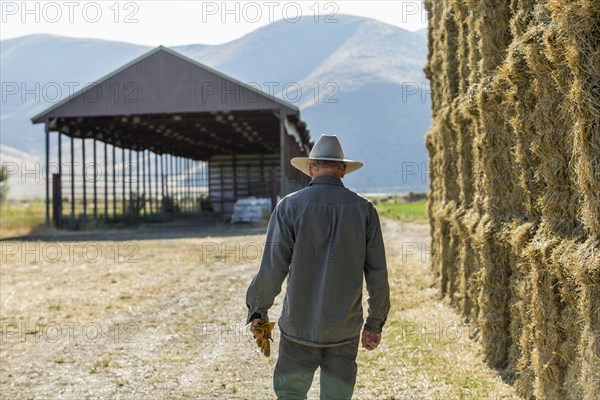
[{"x": 324, "y": 238}]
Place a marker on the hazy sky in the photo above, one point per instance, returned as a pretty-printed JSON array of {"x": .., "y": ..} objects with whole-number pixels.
[{"x": 154, "y": 22}]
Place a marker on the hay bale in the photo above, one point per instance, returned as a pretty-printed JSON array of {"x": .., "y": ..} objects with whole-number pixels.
[
  {"x": 577, "y": 27},
  {"x": 515, "y": 184}
]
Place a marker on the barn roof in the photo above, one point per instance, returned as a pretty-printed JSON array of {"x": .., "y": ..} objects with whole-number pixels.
[{"x": 169, "y": 103}]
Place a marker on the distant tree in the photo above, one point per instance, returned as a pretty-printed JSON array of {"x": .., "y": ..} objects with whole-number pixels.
[{"x": 3, "y": 184}]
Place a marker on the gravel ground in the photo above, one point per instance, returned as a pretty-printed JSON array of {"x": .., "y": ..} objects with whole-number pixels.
[{"x": 158, "y": 313}]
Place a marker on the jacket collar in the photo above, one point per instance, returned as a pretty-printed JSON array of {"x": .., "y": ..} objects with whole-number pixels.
[{"x": 326, "y": 180}]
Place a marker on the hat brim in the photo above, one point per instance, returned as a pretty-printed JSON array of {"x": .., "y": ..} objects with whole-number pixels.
[{"x": 302, "y": 163}]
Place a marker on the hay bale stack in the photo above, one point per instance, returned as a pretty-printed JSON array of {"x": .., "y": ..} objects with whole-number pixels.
[{"x": 515, "y": 184}]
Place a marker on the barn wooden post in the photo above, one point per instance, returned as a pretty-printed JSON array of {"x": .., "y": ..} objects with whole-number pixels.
[
  {"x": 171, "y": 181},
  {"x": 167, "y": 192},
  {"x": 170, "y": 176},
  {"x": 56, "y": 206},
  {"x": 83, "y": 177},
  {"x": 95, "y": 158},
  {"x": 194, "y": 187},
  {"x": 143, "y": 179},
  {"x": 234, "y": 162},
  {"x": 166, "y": 182},
  {"x": 282, "y": 157},
  {"x": 129, "y": 203},
  {"x": 72, "y": 179},
  {"x": 106, "y": 181},
  {"x": 47, "y": 175},
  {"x": 130, "y": 185},
  {"x": 262, "y": 173},
  {"x": 179, "y": 196},
  {"x": 150, "y": 183},
  {"x": 272, "y": 189},
  {"x": 59, "y": 202},
  {"x": 162, "y": 180},
  {"x": 157, "y": 181},
  {"x": 187, "y": 183},
  {"x": 123, "y": 188},
  {"x": 114, "y": 182}
]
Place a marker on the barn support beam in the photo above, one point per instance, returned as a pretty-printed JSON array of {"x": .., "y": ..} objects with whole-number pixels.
[
  {"x": 272, "y": 190},
  {"x": 83, "y": 177},
  {"x": 123, "y": 187},
  {"x": 149, "y": 182},
  {"x": 188, "y": 168},
  {"x": 95, "y": 158},
  {"x": 47, "y": 175},
  {"x": 143, "y": 167},
  {"x": 180, "y": 183},
  {"x": 167, "y": 191},
  {"x": 175, "y": 179},
  {"x": 282, "y": 161},
  {"x": 171, "y": 177},
  {"x": 162, "y": 186},
  {"x": 58, "y": 223},
  {"x": 168, "y": 175},
  {"x": 156, "y": 182},
  {"x": 130, "y": 198},
  {"x": 114, "y": 182},
  {"x": 72, "y": 180},
  {"x": 106, "y": 181},
  {"x": 235, "y": 186},
  {"x": 188, "y": 190},
  {"x": 195, "y": 186}
]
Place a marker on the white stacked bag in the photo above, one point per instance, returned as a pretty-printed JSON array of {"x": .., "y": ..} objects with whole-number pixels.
[{"x": 251, "y": 209}]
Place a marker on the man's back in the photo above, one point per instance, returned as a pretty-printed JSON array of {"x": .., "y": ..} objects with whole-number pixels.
[
  {"x": 332, "y": 227},
  {"x": 326, "y": 238}
]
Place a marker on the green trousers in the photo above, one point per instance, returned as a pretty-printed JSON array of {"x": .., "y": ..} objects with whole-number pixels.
[{"x": 297, "y": 363}]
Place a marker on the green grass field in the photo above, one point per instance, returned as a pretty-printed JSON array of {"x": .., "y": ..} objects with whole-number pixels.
[
  {"x": 17, "y": 218},
  {"x": 400, "y": 210}
]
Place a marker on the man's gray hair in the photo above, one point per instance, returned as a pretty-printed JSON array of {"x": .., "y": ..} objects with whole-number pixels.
[{"x": 322, "y": 164}]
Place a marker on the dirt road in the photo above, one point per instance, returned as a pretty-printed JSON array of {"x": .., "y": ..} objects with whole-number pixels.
[{"x": 159, "y": 314}]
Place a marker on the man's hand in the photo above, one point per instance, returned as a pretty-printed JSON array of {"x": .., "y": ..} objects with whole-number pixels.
[
  {"x": 253, "y": 326},
  {"x": 261, "y": 330},
  {"x": 370, "y": 340}
]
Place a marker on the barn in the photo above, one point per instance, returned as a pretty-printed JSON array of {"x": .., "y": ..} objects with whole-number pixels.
[{"x": 165, "y": 134}]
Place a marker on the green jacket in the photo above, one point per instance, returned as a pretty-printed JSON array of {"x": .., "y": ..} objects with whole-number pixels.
[{"x": 324, "y": 238}]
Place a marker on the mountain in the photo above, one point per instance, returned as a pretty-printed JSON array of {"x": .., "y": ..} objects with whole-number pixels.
[{"x": 359, "y": 78}]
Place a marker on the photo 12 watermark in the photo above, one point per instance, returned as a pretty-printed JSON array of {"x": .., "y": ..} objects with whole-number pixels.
[
  {"x": 253, "y": 92},
  {"x": 55, "y": 12},
  {"x": 69, "y": 252},
  {"x": 269, "y": 11},
  {"x": 68, "y": 332},
  {"x": 251, "y": 252},
  {"x": 54, "y": 92}
]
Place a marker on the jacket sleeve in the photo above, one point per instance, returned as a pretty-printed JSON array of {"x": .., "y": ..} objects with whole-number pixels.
[
  {"x": 376, "y": 275},
  {"x": 274, "y": 267}
]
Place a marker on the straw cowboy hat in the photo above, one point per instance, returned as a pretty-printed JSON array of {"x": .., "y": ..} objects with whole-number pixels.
[{"x": 328, "y": 147}]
